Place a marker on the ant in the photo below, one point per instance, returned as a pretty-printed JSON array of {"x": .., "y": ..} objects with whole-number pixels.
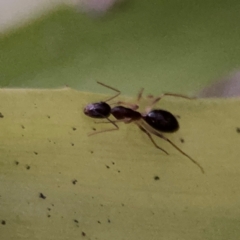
[{"x": 150, "y": 122}]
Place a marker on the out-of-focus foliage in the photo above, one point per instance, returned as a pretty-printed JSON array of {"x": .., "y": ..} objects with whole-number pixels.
[{"x": 160, "y": 45}]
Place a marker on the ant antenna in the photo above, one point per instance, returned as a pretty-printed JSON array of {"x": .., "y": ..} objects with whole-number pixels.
[{"x": 114, "y": 89}]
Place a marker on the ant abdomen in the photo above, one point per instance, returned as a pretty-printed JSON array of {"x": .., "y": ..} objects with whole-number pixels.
[
  {"x": 98, "y": 110},
  {"x": 162, "y": 121}
]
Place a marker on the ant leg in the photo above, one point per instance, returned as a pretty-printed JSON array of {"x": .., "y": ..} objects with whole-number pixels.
[
  {"x": 176, "y": 147},
  {"x": 150, "y": 137},
  {"x": 114, "y": 89},
  {"x": 115, "y": 121},
  {"x": 106, "y": 130},
  {"x": 150, "y": 96},
  {"x": 125, "y": 120},
  {"x": 157, "y": 99},
  {"x": 194, "y": 161},
  {"x": 132, "y": 106},
  {"x": 178, "y": 95},
  {"x": 139, "y": 96}
]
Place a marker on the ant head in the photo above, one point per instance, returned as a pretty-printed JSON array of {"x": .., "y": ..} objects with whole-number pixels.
[{"x": 97, "y": 110}]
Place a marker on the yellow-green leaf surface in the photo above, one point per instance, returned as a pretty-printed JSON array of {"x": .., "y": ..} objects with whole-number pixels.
[{"x": 106, "y": 186}]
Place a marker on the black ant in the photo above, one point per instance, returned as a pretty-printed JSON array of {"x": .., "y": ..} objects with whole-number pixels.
[{"x": 150, "y": 122}]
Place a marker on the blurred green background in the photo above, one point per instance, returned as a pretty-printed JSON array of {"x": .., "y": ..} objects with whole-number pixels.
[{"x": 177, "y": 46}]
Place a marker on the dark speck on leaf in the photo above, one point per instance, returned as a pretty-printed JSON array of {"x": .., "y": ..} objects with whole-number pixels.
[
  {"x": 94, "y": 129},
  {"x": 22, "y": 127},
  {"x": 28, "y": 167},
  {"x": 3, "y": 222},
  {"x": 36, "y": 153},
  {"x": 109, "y": 221},
  {"x": 83, "y": 234},
  {"x": 16, "y": 162},
  {"x": 91, "y": 152},
  {"x": 156, "y": 178},
  {"x": 119, "y": 171},
  {"x": 1, "y": 116},
  {"x": 107, "y": 167},
  {"x": 113, "y": 163},
  {"x": 182, "y": 140},
  {"x": 49, "y": 215},
  {"x": 74, "y": 181},
  {"x": 48, "y": 116},
  {"x": 42, "y": 196},
  {"x": 72, "y": 144},
  {"x": 74, "y": 129},
  {"x": 99, "y": 222},
  {"x": 238, "y": 129}
]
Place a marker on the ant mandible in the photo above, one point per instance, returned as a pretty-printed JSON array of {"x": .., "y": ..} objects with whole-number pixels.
[{"x": 150, "y": 122}]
